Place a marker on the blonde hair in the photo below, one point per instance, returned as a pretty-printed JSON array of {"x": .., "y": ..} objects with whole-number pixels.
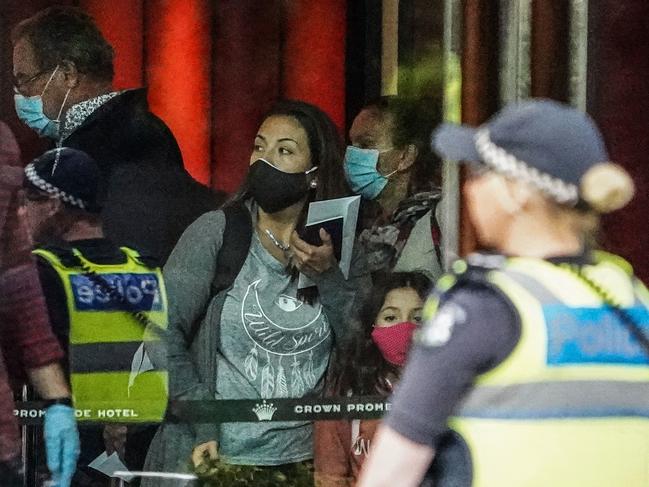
[{"x": 606, "y": 187}]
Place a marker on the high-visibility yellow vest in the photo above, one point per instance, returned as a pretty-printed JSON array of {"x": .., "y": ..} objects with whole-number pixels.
[
  {"x": 110, "y": 374},
  {"x": 570, "y": 405}
]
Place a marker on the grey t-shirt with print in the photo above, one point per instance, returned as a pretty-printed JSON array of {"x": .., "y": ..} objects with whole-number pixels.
[{"x": 271, "y": 345}]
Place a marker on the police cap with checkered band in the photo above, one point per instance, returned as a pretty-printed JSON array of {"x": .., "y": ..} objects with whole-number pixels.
[
  {"x": 548, "y": 144},
  {"x": 67, "y": 174}
]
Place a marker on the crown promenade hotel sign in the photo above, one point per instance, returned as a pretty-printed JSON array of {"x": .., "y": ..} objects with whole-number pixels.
[{"x": 238, "y": 411}]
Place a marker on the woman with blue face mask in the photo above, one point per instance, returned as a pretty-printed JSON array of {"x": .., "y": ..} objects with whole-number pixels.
[{"x": 390, "y": 165}]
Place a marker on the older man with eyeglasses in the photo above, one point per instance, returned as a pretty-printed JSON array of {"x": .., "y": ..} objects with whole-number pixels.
[{"x": 63, "y": 72}]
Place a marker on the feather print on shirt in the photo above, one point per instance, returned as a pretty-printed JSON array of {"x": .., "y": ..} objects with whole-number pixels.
[
  {"x": 297, "y": 382},
  {"x": 251, "y": 363},
  {"x": 267, "y": 379},
  {"x": 309, "y": 375},
  {"x": 281, "y": 389},
  {"x": 291, "y": 335}
]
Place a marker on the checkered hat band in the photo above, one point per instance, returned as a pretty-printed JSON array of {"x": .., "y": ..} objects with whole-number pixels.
[
  {"x": 40, "y": 183},
  {"x": 507, "y": 164}
]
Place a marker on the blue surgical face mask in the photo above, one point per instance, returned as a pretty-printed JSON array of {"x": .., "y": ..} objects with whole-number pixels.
[
  {"x": 30, "y": 110},
  {"x": 361, "y": 172}
]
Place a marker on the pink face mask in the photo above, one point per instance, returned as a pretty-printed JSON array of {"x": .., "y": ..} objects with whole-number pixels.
[{"x": 394, "y": 341}]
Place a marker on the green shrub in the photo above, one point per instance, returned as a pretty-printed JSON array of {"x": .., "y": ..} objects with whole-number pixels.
[{"x": 215, "y": 473}]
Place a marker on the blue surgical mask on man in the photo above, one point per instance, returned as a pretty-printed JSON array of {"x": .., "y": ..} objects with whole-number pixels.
[
  {"x": 361, "y": 171},
  {"x": 30, "y": 110}
]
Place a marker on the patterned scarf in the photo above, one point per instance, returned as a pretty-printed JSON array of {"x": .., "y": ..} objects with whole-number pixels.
[
  {"x": 383, "y": 243},
  {"x": 77, "y": 114}
]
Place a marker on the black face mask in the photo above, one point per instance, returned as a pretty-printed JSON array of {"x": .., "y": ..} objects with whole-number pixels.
[{"x": 276, "y": 190}]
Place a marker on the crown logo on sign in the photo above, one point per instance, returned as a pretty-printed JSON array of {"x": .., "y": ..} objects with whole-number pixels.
[{"x": 264, "y": 411}]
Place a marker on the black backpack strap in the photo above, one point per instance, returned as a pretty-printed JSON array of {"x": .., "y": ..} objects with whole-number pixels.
[
  {"x": 237, "y": 236},
  {"x": 234, "y": 248}
]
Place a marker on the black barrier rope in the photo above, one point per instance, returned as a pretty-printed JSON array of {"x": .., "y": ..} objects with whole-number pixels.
[{"x": 230, "y": 410}]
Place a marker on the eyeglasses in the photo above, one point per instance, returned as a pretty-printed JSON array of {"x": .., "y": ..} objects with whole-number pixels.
[{"x": 19, "y": 83}]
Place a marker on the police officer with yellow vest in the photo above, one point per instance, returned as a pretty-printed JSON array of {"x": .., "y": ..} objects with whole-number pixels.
[
  {"x": 101, "y": 299},
  {"x": 532, "y": 369}
]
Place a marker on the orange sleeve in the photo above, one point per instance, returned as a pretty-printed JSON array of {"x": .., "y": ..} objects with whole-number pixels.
[{"x": 331, "y": 453}]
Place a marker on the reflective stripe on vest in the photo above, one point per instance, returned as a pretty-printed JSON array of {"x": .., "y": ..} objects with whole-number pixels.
[
  {"x": 110, "y": 373},
  {"x": 570, "y": 405}
]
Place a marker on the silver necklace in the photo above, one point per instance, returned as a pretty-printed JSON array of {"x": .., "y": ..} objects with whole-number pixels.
[{"x": 278, "y": 244}]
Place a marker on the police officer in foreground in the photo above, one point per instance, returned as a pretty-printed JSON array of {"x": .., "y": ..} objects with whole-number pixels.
[
  {"x": 532, "y": 368},
  {"x": 100, "y": 298}
]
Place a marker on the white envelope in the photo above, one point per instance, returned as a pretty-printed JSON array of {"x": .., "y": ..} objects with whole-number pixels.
[
  {"x": 347, "y": 208},
  {"x": 108, "y": 465}
]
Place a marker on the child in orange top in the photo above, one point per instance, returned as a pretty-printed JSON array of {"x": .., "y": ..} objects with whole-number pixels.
[{"x": 387, "y": 320}]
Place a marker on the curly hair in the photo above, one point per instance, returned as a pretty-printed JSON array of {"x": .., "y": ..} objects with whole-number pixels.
[
  {"x": 413, "y": 121},
  {"x": 59, "y": 34}
]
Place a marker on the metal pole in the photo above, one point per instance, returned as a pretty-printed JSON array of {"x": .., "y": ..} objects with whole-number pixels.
[
  {"x": 578, "y": 67},
  {"x": 450, "y": 204},
  {"x": 516, "y": 29}
]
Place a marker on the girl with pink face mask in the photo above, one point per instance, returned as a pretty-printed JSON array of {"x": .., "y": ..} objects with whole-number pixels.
[{"x": 372, "y": 366}]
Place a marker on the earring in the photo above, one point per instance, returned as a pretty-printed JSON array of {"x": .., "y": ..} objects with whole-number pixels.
[{"x": 313, "y": 184}]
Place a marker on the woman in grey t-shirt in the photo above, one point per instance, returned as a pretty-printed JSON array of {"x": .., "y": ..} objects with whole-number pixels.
[{"x": 261, "y": 337}]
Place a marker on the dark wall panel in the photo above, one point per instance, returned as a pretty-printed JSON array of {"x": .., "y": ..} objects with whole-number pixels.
[
  {"x": 550, "y": 49},
  {"x": 619, "y": 82},
  {"x": 313, "y": 55},
  {"x": 480, "y": 98},
  {"x": 246, "y": 82}
]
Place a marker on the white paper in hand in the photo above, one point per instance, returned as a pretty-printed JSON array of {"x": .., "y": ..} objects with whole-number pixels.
[
  {"x": 108, "y": 465},
  {"x": 329, "y": 212}
]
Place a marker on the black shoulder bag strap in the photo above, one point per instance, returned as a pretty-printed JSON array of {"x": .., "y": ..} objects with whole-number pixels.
[
  {"x": 436, "y": 235},
  {"x": 625, "y": 317},
  {"x": 234, "y": 249},
  {"x": 237, "y": 236}
]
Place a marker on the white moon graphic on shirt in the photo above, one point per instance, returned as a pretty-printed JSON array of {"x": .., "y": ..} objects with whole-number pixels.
[{"x": 289, "y": 338}]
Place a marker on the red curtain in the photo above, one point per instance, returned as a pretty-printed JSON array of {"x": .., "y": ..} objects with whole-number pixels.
[
  {"x": 121, "y": 22},
  {"x": 213, "y": 69},
  {"x": 178, "y": 75},
  {"x": 246, "y": 82},
  {"x": 314, "y": 55}
]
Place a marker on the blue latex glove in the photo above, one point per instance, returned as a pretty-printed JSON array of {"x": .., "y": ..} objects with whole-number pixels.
[{"x": 61, "y": 443}]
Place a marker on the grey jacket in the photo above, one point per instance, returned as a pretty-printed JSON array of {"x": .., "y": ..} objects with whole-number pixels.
[
  {"x": 418, "y": 253},
  {"x": 192, "y": 367}
]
